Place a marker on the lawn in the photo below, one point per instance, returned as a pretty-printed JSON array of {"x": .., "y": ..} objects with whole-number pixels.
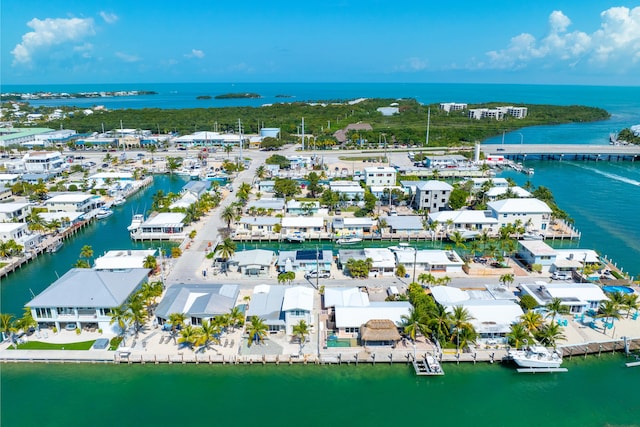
[{"x": 38, "y": 345}]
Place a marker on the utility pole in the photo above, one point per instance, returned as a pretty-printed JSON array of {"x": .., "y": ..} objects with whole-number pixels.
[
  {"x": 317, "y": 266},
  {"x": 303, "y": 134},
  {"x": 240, "y": 132},
  {"x": 428, "y": 123}
]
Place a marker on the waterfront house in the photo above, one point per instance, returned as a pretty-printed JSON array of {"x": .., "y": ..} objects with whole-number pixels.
[
  {"x": 85, "y": 297},
  {"x": 302, "y": 224},
  {"x": 349, "y": 191},
  {"x": 305, "y": 260},
  {"x": 405, "y": 224},
  {"x": 385, "y": 192},
  {"x": 280, "y": 307},
  {"x": 478, "y": 183},
  {"x": 5, "y": 192},
  {"x": 14, "y": 211},
  {"x": 578, "y": 297},
  {"x": 257, "y": 225},
  {"x": 345, "y": 297},
  {"x": 73, "y": 202},
  {"x": 380, "y": 176},
  {"x": 451, "y": 161},
  {"x": 254, "y": 262},
  {"x": 357, "y": 227},
  {"x": 20, "y": 233},
  {"x": 465, "y": 220},
  {"x": 163, "y": 226},
  {"x": 197, "y": 302},
  {"x": 66, "y": 219},
  {"x": 123, "y": 259},
  {"x": 531, "y": 212},
  {"x": 432, "y": 195},
  {"x": 108, "y": 179},
  {"x": 430, "y": 261},
  {"x": 349, "y": 320},
  {"x": 536, "y": 252},
  {"x": 190, "y": 194},
  {"x": 9, "y": 179}
]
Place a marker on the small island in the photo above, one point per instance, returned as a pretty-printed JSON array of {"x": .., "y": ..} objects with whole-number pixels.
[
  {"x": 203, "y": 97},
  {"x": 238, "y": 95}
]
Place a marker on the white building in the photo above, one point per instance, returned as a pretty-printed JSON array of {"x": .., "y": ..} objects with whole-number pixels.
[
  {"x": 380, "y": 176},
  {"x": 123, "y": 259},
  {"x": 43, "y": 161},
  {"x": 532, "y": 213},
  {"x": 452, "y": 106},
  {"x": 430, "y": 261},
  {"x": 432, "y": 195},
  {"x": 14, "y": 211},
  {"x": 465, "y": 220},
  {"x": 73, "y": 202},
  {"x": 578, "y": 297}
]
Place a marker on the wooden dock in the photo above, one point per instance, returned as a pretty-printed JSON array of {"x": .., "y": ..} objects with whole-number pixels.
[
  {"x": 429, "y": 366},
  {"x": 540, "y": 370}
]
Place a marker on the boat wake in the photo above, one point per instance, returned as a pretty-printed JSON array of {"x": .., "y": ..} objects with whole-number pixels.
[{"x": 613, "y": 176}]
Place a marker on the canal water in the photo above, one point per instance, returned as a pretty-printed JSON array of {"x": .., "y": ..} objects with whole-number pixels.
[{"x": 110, "y": 233}]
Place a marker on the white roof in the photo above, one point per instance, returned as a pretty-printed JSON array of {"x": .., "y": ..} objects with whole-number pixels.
[
  {"x": 119, "y": 259},
  {"x": 70, "y": 198},
  {"x": 498, "y": 191},
  {"x": 380, "y": 169},
  {"x": 582, "y": 291},
  {"x": 496, "y": 181},
  {"x": 12, "y": 207},
  {"x": 431, "y": 256},
  {"x": 10, "y": 226},
  {"x": 302, "y": 221},
  {"x": 112, "y": 175},
  {"x": 50, "y": 216},
  {"x": 448, "y": 295},
  {"x": 381, "y": 257},
  {"x": 345, "y": 297},
  {"x": 491, "y": 315},
  {"x": 432, "y": 185},
  {"x": 463, "y": 217},
  {"x": 296, "y": 204},
  {"x": 579, "y": 255},
  {"x": 537, "y": 247},
  {"x": 364, "y": 221},
  {"x": 298, "y": 298},
  {"x": 165, "y": 218},
  {"x": 355, "y": 317},
  {"x": 527, "y": 205}
]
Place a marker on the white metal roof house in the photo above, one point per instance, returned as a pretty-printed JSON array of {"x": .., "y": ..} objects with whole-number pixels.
[
  {"x": 579, "y": 297},
  {"x": 295, "y": 207},
  {"x": 297, "y": 305},
  {"x": 496, "y": 192},
  {"x": 532, "y": 213},
  {"x": 305, "y": 260},
  {"x": 274, "y": 204},
  {"x": 73, "y": 202},
  {"x": 433, "y": 195},
  {"x": 197, "y": 301},
  {"x": 433, "y": 261},
  {"x": 43, "y": 161},
  {"x": 254, "y": 262},
  {"x": 257, "y": 225},
  {"x": 281, "y": 307},
  {"x": 20, "y": 233},
  {"x": 380, "y": 176},
  {"x": 477, "y": 183},
  {"x": 410, "y": 224},
  {"x": 536, "y": 252},
  {"x": 302, "y": 224},
  {"x": 86, "y": 297},
  {"x": 349, "y": 319},
  {"x": 466, "y": 220},
  {"x": 14, "y": 211},
  {"x": 345, "y": 297},
  {"x": 352, "y": 226},
  {"x": 123, "y": 259}
]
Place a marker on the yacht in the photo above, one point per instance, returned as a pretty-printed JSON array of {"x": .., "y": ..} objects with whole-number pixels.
[
  {"x": 119, "y": 201},
  {"x": 136, "y": 222},
  {"x": 535, "y": 357},
  {"x": 104, "y": 213},
  {"x": 294, "y": 238},
  {"x": 348, "y": 240},
  {"x": 530, "y": 235},
  {"x": 55, "y": 247},
  {"x": 401, "y": 247}
]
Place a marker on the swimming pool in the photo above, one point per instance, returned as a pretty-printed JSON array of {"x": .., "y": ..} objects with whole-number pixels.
[{"x": 621, "y": 289}]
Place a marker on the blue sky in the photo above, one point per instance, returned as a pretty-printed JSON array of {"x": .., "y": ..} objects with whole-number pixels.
[{"x": 592, "y": 42}]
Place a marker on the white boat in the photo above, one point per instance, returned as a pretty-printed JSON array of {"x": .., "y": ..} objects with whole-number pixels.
[
  {"x": 529, "y": 235},
  {"x": 136, "y": 222},
  {"x": 401, "y": 247},
  {"x": 535, "y": 357},
  {"x": 118, "y": 201},
  {"x": 104, "y": 213},
  {"x": 294, "y": 238},
  {"x": 55, "y": 247},
  {"x": 194, "y": 174},
  {"x": 348, "y": 240}
]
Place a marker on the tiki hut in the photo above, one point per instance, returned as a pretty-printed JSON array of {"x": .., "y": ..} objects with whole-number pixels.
[{"x": 379, "y": 332}]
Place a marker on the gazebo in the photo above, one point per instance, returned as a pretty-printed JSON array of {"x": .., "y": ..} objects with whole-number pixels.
[{"x": 379, "y": 332}]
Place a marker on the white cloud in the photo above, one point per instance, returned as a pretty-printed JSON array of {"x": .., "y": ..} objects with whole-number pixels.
[
  {"x": 195, "y": 53},
  {"x": 616, "y": 42},
  {"x": 411, "y": 64},
  {"x": 109, "y": 18},
  {"x": 50, "y": 32},
  {"x": 127, "y": 57}
]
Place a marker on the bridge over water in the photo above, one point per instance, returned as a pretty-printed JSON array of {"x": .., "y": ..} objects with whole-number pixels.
[{"x": 564, "y": 152}]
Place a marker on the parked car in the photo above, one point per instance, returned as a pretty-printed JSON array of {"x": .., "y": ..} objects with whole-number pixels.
[
  {"x": 313, "y": 274},
  {"x": 558, "y": 275}
]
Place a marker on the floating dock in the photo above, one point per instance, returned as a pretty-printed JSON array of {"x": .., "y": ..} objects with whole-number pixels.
[
  {"x": 427, "y": 367},
  {"x": 540, "y": 370}
]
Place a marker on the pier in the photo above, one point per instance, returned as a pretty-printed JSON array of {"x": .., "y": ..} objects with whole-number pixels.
[{"x": 560, "y": 152}]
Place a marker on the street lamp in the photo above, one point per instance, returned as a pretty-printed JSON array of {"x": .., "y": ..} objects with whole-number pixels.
[
  {"x": 415, "y": 257},
  {"x": 521, "y": 138}
]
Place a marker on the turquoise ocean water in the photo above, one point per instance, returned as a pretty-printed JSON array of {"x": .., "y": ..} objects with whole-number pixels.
[{"x": 601, "y": 197}]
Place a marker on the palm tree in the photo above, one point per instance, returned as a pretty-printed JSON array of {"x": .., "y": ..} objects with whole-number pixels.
[
  {"x": 550, "y": 333},
  {"x": 26, "y": 321},
  {"x": 631, "y": 303},
  {"x": 121, "y": 317},
  {"x": 426, "y": 278},
  {"x": 415, "y": 322},
  {"x": 86, "y": 252},
  {"x": 439, "y": 321},
  {"x": 150, "y": 262},
  {"x": 466, "y": 337},
  {"x": 532, "y": 321},
  {"x": 300, "y": 331},
  {"x": 457, "y": 239},
  {"x": 518, "y": 334},
  {"x": 228, "y": 149},
  {"x": 226, "y": 249},
  {"x": 6, "y": 324},
  {"x": 207, "y": 334},
  {"x": 176, "y": 320},
  {"x": 261, "y": 171},
  {"x": 228, "y": 214},
  {"x": 256, "y": 330},
  {"x": 188, "y": 336},
  {"x": 556, "y": 307},
  {"x": 507, "y": 279},
  {"x": 236, "y": 316},
  {"x": 137, "y": 313},
  {"x": 608, "y": 310},
  {"x": 173, "y": 163}
]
